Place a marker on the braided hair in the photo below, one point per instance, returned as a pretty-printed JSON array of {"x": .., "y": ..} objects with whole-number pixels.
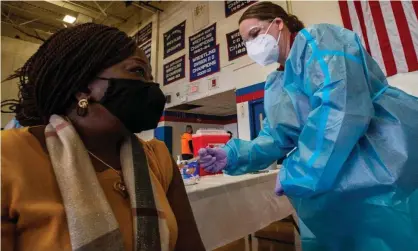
[{"x": 64, "y": 65}]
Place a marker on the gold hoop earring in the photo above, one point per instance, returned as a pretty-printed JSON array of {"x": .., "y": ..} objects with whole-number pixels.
[{"x": 82, "y": 107}]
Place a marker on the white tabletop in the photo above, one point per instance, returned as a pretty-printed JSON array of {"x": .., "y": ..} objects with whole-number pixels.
[{"x": 227, "y": 208}]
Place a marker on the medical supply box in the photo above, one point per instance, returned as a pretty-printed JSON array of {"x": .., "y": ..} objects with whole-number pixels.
[{"x": 209, "y": 138}]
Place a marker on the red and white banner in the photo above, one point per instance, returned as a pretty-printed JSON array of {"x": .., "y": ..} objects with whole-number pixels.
[{"x": 388, "y": 30}]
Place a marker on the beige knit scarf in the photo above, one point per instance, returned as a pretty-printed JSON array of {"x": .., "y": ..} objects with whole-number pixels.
[{"x": 91, "y": 222}]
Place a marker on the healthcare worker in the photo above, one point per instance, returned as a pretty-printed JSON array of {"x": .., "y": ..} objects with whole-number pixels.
[
  {"x": 351, "y": 140},
  {"x": 187, "y": 143}
]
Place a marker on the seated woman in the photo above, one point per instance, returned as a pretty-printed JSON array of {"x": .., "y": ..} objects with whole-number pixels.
[{"x": 76, "y": 177}]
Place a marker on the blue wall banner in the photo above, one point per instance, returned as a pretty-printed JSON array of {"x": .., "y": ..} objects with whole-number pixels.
[
  {"x": 174, "y": 70},
  {"x": 232, "y": 7},
  {"x": 202, "y": 41},
  {"x": 174, "y": 39},
  {"x": 144, "y": 34},
  {"x": 236, "y": 46},
  {"x": 204, "y": 64},
  {"x": 147, "y": 49}
]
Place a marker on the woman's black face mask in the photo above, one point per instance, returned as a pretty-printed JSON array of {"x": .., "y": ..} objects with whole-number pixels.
[{"x": 137, "y": 104}]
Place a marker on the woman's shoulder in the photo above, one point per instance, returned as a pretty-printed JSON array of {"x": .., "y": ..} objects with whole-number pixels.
[
  {"x": 9, "y": 134},
  {"x": 328, "y": 34},
  {"x": 322, "y": 40},
  {"x": 324, "y": 27},
  {"x": 160, "y": 161},
  {"x": 18, "y": 140},
  {"x": 21, "y": 155},
  {"x": 158, "y": 147},
  {"x": 19, "y": 146}
]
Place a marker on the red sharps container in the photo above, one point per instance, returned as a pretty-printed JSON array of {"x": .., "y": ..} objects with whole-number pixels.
[{"x": 209, "y": 138}]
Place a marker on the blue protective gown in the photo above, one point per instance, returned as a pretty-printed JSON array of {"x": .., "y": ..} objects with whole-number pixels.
[{"x": 353, "y": 173}]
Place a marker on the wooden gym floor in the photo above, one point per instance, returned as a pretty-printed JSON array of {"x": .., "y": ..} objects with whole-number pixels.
[{"x": 279, "y": 236}]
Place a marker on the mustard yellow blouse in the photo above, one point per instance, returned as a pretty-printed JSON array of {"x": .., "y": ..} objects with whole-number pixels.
[{"x": 32, "y": 211}]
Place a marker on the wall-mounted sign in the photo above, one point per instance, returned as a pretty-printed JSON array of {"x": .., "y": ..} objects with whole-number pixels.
[
  {"x": 147, "y": 49},
  {"x": 202, "y": 41},
  {"x": 174, "y": 39},
  {"x": 232, "y": 7},
  {"x": 174, "y": 70},
  {"x": 193, "y": 88},
  {"x": 205, "y": 64},
  {"x": 200, "y": 13},
  {"x": 213, "y": 83},
  {"x": 236, "y": 46},
  {"x": 144, "y": 34}
]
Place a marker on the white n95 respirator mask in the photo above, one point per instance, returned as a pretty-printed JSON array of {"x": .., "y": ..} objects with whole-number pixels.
[{"x": 264, "y": 49}]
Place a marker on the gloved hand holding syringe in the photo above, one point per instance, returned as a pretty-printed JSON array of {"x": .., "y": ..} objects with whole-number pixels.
[{"x": 214, "y": 160}]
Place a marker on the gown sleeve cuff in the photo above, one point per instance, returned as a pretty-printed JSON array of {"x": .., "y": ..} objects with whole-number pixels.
[{"x": 230, "y": 158}]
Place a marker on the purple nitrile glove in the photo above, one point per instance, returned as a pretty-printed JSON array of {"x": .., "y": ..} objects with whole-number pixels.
[
  {"x": 278, "y": 190},
  {"x": 213, "y": 160}
]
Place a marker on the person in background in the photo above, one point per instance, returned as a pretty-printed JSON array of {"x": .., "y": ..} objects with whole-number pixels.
[
  {"x": 350, "y": 138},
  {"x": 230, "y": 134},
  {"x": 187, "y": 144},
  {"x": 76, "y": 177}
]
